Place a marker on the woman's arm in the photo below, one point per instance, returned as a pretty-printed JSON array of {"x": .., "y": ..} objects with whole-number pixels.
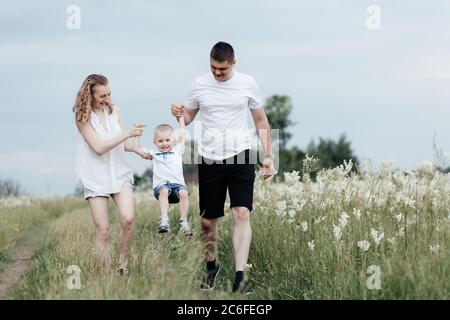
[
  {"x": 101, "y": 147},
  {"x": 128, "y": 145}
]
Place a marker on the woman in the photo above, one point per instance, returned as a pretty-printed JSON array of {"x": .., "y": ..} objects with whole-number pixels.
[{"x": 102, "y": 167}]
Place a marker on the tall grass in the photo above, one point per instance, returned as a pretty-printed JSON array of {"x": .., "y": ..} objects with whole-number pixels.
[
  {"x": 311, "y": 240},
  {"x": 162, "y": 266},
  {"x": 20, "y": 214}
]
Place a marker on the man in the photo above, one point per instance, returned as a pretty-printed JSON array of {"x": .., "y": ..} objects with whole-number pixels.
[{"x": 222, "y": 99}]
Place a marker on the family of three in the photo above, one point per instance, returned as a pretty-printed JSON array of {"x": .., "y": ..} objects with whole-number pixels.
[{"x": 222, "y": 98}]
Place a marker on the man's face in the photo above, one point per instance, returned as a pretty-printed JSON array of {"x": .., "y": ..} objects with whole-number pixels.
[{"x": 222, "y": 71}]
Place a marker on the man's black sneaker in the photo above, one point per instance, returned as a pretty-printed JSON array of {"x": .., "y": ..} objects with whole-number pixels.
[
  {"x": 243, "y": 288},
  {"x": 209, "y": 282}
]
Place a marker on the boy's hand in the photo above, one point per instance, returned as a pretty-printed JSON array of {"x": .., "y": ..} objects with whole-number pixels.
[{"x": 147, "y": 156}]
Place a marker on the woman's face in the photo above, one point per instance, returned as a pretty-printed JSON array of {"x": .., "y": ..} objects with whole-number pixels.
[{"x": 100, "y": 96}]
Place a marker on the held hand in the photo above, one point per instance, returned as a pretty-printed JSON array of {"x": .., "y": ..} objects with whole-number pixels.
[
  {"x": 147, "y": 156},
  {"x": 135, "y": 132},
  {"x": 267, "y": 168},
  {"x": 138, "y": 125},
  {"x": 177, "y": 110}
]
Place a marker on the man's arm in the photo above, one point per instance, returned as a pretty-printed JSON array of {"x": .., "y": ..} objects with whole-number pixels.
[{"x": 263, "y": 130}]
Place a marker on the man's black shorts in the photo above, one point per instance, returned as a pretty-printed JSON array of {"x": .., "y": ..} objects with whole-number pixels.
[{"x": 237, "y": 174}]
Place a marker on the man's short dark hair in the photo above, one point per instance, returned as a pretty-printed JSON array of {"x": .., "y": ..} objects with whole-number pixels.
[{"x": 222, "y": 51}]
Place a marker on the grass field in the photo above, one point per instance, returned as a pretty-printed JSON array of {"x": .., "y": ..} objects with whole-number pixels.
[{"x": 374, "y": 234}]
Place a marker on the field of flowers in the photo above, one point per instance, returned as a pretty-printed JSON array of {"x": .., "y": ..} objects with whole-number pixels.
[{"x": 369, "y": 234}]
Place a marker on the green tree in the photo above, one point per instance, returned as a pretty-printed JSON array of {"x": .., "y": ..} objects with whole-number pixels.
[
  {"x": 143, "y": 182},
  {"x": 331, "y": 153},
  {"x": 290, "y": 159},
  {"x": 278, "y": 109},
  {"x": 10, "y": 188}
]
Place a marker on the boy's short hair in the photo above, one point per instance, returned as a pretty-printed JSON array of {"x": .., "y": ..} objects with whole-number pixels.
[
  {"x": 162, "y": 127},
  {"x": 222, "y": 51}
]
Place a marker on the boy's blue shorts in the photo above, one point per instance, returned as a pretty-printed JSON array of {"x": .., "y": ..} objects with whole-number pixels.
[{"x": 174, "y": 189}]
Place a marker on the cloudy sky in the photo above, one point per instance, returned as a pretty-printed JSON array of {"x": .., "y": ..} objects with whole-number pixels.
[{"x": 386, "y": 89}]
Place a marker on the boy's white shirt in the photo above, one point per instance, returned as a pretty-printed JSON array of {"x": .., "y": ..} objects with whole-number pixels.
[{"x": 167, "y": 167}]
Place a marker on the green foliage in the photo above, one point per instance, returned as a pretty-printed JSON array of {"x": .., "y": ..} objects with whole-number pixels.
[
  {"x": 10, "y": 188},
  {"x": 290, "y": 159},
  {"x": 441, "y": 158},
  {"x": 278, "y": 109},
  {"x": 143, "y": 182},
  {"x": 331, "y": 153}
]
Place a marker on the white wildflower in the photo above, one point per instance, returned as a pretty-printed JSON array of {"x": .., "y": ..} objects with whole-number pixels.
[
  {"x": 343, "y": 220},
  {"x": 297, "y": 204},
  {"x": 292, "y": 214},
  {"x": 426, "y": 167},
  {"x": 304, "y": 226},
  {"x": 320, "y": 219},
  {"x": 392, "y": 241},
  {"x": 401, "y": 232},
  {"x": 280, "y": 208},
  {"x": 409, "y": 202},
  {"x": 376, "y": 236},
  {"x": 357, "y": 213},
  {"x": 291, "y": 177},
  {"x": 434, "y": 248},
  {"x": 337, "y": 231},
  {"x": 364, "y": 245},
  {"x": 311, "y": 245}
]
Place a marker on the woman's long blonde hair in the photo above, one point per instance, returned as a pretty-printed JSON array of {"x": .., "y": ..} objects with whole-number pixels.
[{"x": 82, "y": 107}]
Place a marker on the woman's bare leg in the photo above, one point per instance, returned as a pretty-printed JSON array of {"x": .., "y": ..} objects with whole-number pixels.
[
  {"x": 125, "y": 202},
  {"x": 99, "y": 212}
]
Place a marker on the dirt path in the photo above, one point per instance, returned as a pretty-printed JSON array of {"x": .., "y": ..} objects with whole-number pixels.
[{"x": 20, "y": 262}]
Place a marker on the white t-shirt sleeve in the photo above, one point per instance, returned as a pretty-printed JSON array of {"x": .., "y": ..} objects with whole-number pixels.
[
  {"x": 191, "y": 101},
  {"x": 255, "y": 101}
]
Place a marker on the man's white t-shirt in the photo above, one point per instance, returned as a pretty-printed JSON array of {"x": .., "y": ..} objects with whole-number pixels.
[
  {"x": 167, "y": 166},
  {"x": 223, "y": 109}
]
